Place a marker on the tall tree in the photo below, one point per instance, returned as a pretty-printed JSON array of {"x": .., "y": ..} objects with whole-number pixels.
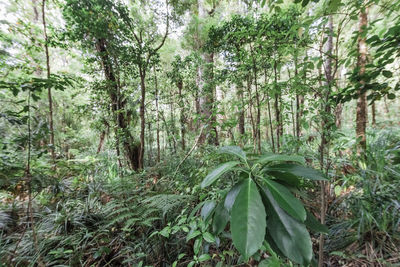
[
  {"x": 146, "y": 50},
  {"x": 362, "y": 111},
  {"x": 205, "y": 72},
  {"x": 50, "y": 99},
  {"x": 107, "y": 35}
]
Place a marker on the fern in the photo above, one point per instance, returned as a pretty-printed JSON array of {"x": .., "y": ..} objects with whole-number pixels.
[{"x": 168, "y": 202}]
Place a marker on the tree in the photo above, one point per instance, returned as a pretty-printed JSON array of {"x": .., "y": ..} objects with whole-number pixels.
[
  {"x": 50, "y": 99},
  {"x": 107, "y": 36},
  {"x": 362, "y": 111}
]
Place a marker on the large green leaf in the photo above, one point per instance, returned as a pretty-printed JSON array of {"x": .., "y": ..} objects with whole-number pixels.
[
  {"x": 280, "y": 157},
  {"x": 298, "y": 170},
  {"x": 314, "y": 225},
  {"x": 217, "y": 172},
  {"x": 248, "y": 220},
  {"x": 207, "y": 209},
  {"x": 289, "y": 235},
  {"x": 286, "y": 200},
  {"x": 233, "y": 150},
  {"x": 220, "y": 219},
  {"x": 286, "y": 177},
  {"x": 231, "y": 196}
]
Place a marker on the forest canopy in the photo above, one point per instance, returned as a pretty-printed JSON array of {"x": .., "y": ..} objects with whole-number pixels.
[{"x": 199, "y": 133}]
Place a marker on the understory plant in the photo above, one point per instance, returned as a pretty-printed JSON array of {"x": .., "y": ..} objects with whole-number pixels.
[{"x": 261, "y": 205}]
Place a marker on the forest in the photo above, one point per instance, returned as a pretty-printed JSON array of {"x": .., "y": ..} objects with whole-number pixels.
[{"x": 199, "y": 133}]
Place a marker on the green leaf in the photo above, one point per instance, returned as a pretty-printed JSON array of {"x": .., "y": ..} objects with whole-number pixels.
[
  {"x": 314, "y": 225},
  {"x": 217, "y": 172},
  {"x": 387, "y": 74},
  {"x": 298, "y": 170},
  {"x": 165, "y": 232},
  {"x": 285, "y": 177},
  {"x": 279, "y": 157},
  {"x": 286, "y": 200},
  {"x": 193, "y": 235},
  {"x": 270, "y": 262},
  {"x": 289, "y": 235},
  {"x": 204, "y": 257},
  {"x": 233, "y": 150},
  {"x": 220, "y": 219},
  {"x": 197, "y": 246},
  {"x": 305, "y": 2},
  {"x": 248, "y": 220},
  {"x": 231, "y": 196},
  {"x": 207, "y": 209},
  {"x": 208, "y": 237}
]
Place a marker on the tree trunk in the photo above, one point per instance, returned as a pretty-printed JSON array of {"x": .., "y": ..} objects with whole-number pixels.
[
  {"x": 239, "y": 93},
  {"x": 258, "y": 108},
  {"x": 182, "y": 117},
  {"x": 299, "y": 99},
  {"x": 102, "y": 136},
  {"x": 325, "y": 131},
  {"x": 373, "y": 112},
  {"x": 46, "y": 47},
  {"x": 122, "y": 120},
  {"x": 142, "y": 73},
  {"x": 338, "y": 115},
  {"x": 361, "y": 116},
  {"x": 276, "y": 106},
  {"x": 157, "y": 117},
  {"x": 206, "y": 85},
  {"x": 172, "y": 116},
  {"x": 269, "y": 113},
  {"x": 206, "y": 90}
]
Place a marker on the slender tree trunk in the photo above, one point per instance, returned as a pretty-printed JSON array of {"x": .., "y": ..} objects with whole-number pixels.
[
  {"x": 373, "y": 112},
  {"x": 46, "y": 47},
  {"x": 101, "y": 141},
  {"x": 251, "y": 106},
  {"x": 172, "y": 116},
  {"x": 325, "y": 131},
  {"x": 299, "y": 98},
  {"x": 361, "y": 116},
  {"x": 157, "y": 117},
  {"x": 142, "y": 73},
  {"x": 28, "y": 177},
  {"x": 269, "y": 113},
  {"x": 182, "y": 117},
  {"x": 276, "y": 105},
  {"x": 258, "y": 108},
  {"x": 239, "y": 93},
  {"x": 338, "y": 115},
  {"x": 150, "y": 141}
]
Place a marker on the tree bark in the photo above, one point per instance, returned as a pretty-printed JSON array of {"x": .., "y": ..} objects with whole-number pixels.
[
  {"x": 325, "y": 131},
  {"x": 239, "y": 93},
  {"x": 101, "y": 141},
  {"x": 182, "y": 118},
  {"x": 373, "y": 112},
  {"x": 361, "y": 115},
  {"x": 142, "y": 73},
  {"x": 206, "y": 85},
  {"x": 130, "y": 147},
  {"x": 157, "y": 117},
  {"x": 258, "y": 108},
  {"x": 49, "y": 96},
  {"x": 276, "y": 106}
]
